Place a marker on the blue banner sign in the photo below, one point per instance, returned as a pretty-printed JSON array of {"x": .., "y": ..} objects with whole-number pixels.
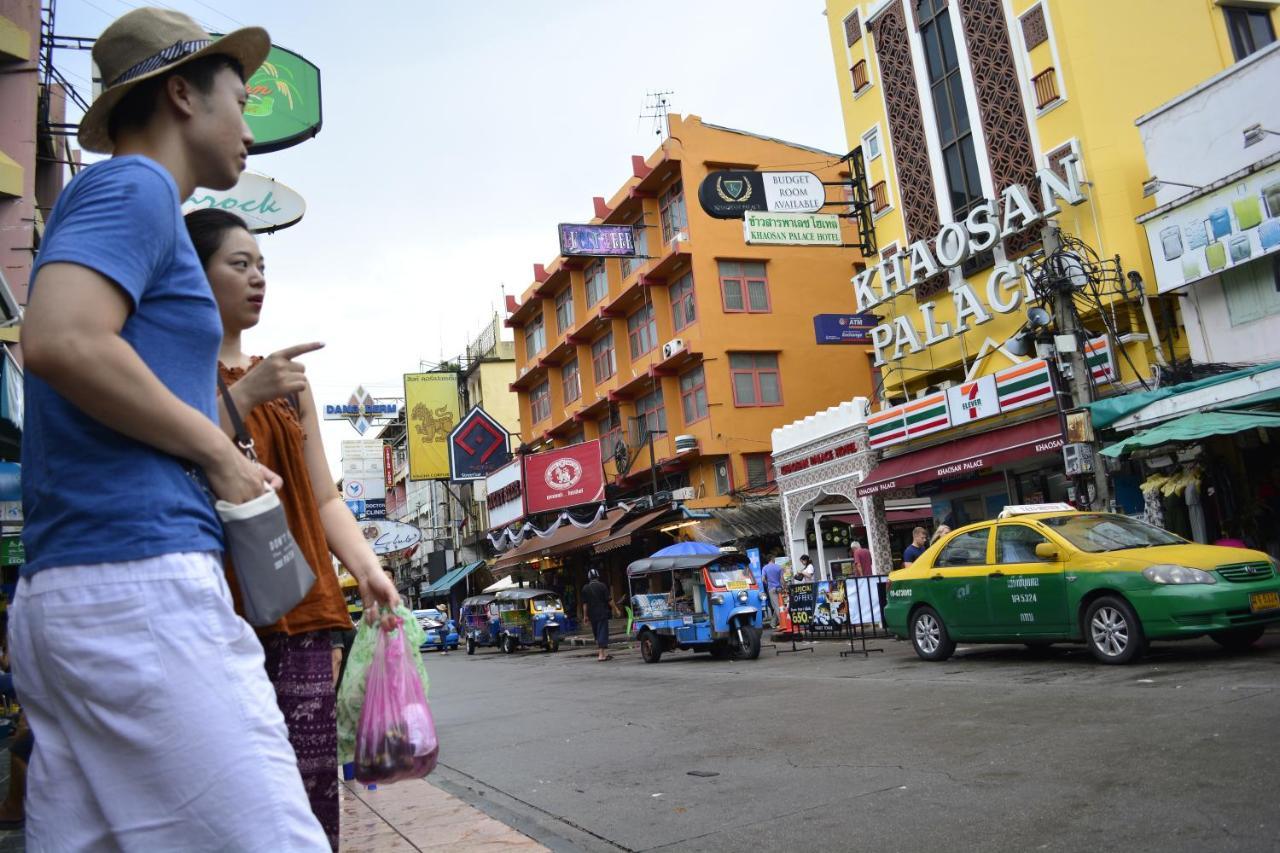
[
  {"x": 844, "y": 328},
  {"x": 597, "y": 240}
]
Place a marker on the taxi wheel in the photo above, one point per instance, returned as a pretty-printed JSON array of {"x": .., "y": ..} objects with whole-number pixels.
[
  {"x": 650, "y": 647},
  {"x": 1112, "y": 631},
  {"x": 1238, "y": 639},
  {"x": 471, "y": 645},
  {"x": 929, "y": 636}
]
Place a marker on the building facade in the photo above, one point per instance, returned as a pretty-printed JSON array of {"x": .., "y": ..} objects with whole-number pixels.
[
  {"x": 702, "y": 337},
  {"x": 996, "y": 139}
]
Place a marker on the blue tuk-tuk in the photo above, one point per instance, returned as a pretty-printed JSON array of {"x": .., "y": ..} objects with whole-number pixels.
[
  {"x": 478, "y": 620},
  {"x": 528, "y": 617},
  {"x": 703, "y": 602}
]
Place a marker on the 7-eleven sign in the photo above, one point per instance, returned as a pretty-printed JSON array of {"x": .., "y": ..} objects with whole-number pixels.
[{"x": 973, "y": 401}]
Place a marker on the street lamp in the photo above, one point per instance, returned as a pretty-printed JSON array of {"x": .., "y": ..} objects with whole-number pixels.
[{"x": 1255, "y": 133}]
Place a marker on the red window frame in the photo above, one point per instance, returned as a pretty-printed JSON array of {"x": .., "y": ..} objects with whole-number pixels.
[
  {"x": 571, "y": 381},
  {"x": 535, "y": 331},
  {"x": 540, "y": 402},
  {"x": 655, "y": 416},
  {"x": 642, "y": 329},
  {"x": 684, "y": 308},
  {"x": 603, "y": 357},
  {"x": 770, "y": 475},
  {"x": 693, "y": 389},
  {"x": 672, "y": 212},
  {"x": 564, "y": 310},
  {"x": 735, "y": 273},
  {"x": 759, "y": 367}
]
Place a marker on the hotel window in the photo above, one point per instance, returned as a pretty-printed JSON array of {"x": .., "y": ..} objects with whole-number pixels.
[
  {"x": 871, "y": 144},
  {"x": 672, "y": 213},
  {"x": 879, "y": 197},
  {"x": 597, "y": 282},
  {"x": 744, "y": 287},
  {"x": 759, "y": 470},
  {"x": 535, "y": 338},
  {"x": 724, "y": 478},
  {"x": 603, "y": 362},
  {"x": 959, "y": 160},
  {"x": 642, "y": 328},
  {"x": 571, "y": 381},
  {"x": 564, "y": 310},
  {"x": 651, "y": 410},
  {"x": 755, "y": 379},
  {"x": 859, "y": 74},
  {"x": 540, "y": 402},
  {"x": 683, "y": 310},
  {"x": 609, "y": 428},
  {"x": 641, "y": 242},
  {"x": 1250, "y": 29},
  {"x": 693, "y": 394}
]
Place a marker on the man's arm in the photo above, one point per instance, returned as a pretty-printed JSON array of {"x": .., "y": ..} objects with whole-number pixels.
[{"x": 72, "y": 341}]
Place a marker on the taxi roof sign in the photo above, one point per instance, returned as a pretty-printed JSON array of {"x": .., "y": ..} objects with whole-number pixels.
[{"x": 1028, "y": 509}]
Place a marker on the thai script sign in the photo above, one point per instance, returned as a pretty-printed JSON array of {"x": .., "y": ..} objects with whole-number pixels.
[
  {"x": 791, "y": 229},
  {"x": 564, "y": 477}
]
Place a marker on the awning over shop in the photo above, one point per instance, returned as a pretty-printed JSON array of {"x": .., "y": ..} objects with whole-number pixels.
[
  {"x": 1193, "y": 427},
  {"x": 567, "y": 537},
  {"x": 626, "y": 530},
  {"x": 965, "y": 456},
  {"x": 752, "y": 519},
  {"x": 891, "y": 516},
  {"x": 452, "y": 578},
  {"x": 1142, "y": 408}
]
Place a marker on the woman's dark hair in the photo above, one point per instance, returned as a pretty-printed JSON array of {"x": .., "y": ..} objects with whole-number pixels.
[{"x": 208, "y": 227}]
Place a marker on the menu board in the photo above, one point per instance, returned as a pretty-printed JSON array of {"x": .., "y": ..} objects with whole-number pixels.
[{"x": 801, "y": 599}]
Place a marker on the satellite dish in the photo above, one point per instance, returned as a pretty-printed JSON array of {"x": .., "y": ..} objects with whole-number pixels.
[
  {"x": 1019, "y": 344},
  {"x": 1038, "y": 318}
]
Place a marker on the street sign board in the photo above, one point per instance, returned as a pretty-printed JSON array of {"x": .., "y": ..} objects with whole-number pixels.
[
  {"x": 564, "y": 477},
  {"x": 478, "y": 446},
  {"x": 844, "y": 328},
  {"x": 731, "y": 193},
  {"x": 264, "y": 204},
  {"x": 609, "y": 241},
  {"x": 387, "y": 537},
  {"x": 284, "y": 102},
  {"x": 791, "y": 229},
  {"x": 793, "y": 192}
]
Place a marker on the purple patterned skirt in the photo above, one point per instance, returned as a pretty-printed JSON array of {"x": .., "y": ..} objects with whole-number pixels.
[{"x": 301, "y": 669}]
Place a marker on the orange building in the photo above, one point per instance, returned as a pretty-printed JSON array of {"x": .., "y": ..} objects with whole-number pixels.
[{"x": 707, "y": 338}]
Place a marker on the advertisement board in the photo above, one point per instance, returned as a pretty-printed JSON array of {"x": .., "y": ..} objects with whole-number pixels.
[
  {"x": 431, "y": 405},
  {"x": 597, "y": 240},
  {"x": 264, "y": 203},
  {"x": 284, "y": 105},
  {"x": 793, "y": 192},
  {"x": 731, "y": 193},
  {"x": 564, "y": 477},
  {"x": 505, "y": 494},
  {"x": 791, "y": 229},
  {"x": 1223, "y": 229},
  {"x": 844, "y": 328},
  {"x": 478, "y": 446},
  {"x": 387, "y": 537},
  {"x": 361, "y": 410}
]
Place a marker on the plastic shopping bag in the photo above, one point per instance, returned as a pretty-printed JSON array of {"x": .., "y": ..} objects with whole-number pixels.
[
  {"x": 396, "y": 737},
  {"x": 356, "y": 676}
]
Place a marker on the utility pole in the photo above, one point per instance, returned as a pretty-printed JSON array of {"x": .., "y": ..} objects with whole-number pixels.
[{"x": 1071, "y": 335}]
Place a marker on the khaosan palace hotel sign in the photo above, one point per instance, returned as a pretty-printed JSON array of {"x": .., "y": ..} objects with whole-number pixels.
[{"x": 955, "y": 243}]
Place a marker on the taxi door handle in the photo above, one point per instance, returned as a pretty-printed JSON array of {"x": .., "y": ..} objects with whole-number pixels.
[
  {"x": 996, "y": 575},
  {"x": 935, "y": 577}
]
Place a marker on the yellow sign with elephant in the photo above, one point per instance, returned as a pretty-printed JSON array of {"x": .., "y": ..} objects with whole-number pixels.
[{"x": 431, "y": 413}]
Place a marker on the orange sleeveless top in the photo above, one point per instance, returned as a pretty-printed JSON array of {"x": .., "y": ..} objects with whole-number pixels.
[{"x": 278, "y": 438}]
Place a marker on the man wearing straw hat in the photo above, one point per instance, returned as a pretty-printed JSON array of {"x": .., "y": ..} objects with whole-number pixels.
[{"x": 156, "y": 727}]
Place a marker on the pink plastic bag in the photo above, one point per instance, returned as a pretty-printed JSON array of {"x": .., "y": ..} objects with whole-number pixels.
[{"x": 396, "y": 738}]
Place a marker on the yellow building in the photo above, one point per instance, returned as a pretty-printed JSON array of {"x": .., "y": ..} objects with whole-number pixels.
[
  {"x": 955, "y": 104},
  {"x": 705, "y": 338}
]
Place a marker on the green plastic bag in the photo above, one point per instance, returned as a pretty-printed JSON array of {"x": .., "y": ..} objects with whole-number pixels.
[{"x": 351, "y": 691}]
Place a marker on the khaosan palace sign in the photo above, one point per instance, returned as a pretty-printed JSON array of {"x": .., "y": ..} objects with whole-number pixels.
[{"x": 955, "y": 243}]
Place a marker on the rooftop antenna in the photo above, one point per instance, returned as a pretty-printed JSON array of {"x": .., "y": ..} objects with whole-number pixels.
[{"x": 656, "y": 107}]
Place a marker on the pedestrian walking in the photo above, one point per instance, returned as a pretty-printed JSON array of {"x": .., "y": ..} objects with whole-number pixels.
[
  {"x": 942, "y": 530},
  {"x": 861, "y": 558},
  {"x": 279, "y": 411},
  {"x": 805, "y": 573},
  {"x": 597, "y": 605},
  {"x": 162, "y": 731},
  {"x": 919, "y": 541},
  {"x": 773, "y": 584}
]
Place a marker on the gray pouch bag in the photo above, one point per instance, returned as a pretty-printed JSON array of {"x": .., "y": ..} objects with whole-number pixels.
[{"x": 273, "y": 574}]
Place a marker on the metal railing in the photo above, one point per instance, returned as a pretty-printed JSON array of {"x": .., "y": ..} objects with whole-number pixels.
[{"x": 1046, "y": 85}]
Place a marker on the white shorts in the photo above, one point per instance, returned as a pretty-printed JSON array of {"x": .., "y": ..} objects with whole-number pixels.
[{"x": 155, "y": 725}]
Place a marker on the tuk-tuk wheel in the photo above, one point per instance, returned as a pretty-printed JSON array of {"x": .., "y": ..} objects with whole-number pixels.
[
  {"x": 748, "y": 647},
  {"x": 552, "y": 641},
  {"x": 650, "y": 647},
  {"x": 509, "y": 644},
  {"x": 471, "y": 645}
]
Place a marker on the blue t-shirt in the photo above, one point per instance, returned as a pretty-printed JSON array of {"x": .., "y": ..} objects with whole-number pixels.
[
  {"x": 772, "y": 576},
  {"x": 89, "y": 493},
  {"x": 911, "y": 553}
]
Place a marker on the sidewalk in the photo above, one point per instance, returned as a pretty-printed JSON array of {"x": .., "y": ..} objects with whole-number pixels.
[{"x": 417, "y": 815}]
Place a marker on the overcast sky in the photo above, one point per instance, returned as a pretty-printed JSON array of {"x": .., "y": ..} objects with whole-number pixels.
[{"x": 457, "y": 134}]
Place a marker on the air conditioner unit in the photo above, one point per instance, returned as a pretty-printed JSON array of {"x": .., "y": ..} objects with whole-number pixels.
[
  {"x": 685, "y": 494},
  {"x": 672, "y": 347}
]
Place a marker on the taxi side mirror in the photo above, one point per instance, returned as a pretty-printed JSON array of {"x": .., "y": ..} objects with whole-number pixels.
[{"x": 1047, "y": 551}]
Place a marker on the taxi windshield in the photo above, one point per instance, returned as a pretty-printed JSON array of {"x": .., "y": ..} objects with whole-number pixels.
[
  {"x": 730, "y": 577},
  {"x": 1104, "y": 532},
  {"x": 542, "y": 604}
]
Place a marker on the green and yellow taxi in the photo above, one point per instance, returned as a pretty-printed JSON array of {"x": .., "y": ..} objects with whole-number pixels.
[{"x": 1043, "y": 574}]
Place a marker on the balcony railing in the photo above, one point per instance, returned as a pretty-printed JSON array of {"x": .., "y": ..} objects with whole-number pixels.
[
  {"x": 1046, "y": 83},
  {"x": 859, "y": 73}
]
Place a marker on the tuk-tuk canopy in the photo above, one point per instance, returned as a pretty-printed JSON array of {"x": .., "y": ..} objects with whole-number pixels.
[
  {"x": 478, "y": 600},
  {"x": 654, "y": 565},
  {"x": 522, "y": 594}
]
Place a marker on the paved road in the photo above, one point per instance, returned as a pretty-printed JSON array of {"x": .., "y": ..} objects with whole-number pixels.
[{"x": 1000, "y": 748}]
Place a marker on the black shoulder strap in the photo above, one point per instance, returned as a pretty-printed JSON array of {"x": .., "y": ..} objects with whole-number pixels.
[{"x": 243, "y": 439}]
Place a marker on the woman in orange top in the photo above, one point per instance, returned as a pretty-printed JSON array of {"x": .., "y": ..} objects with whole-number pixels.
[{"x": 278, "y": 410}]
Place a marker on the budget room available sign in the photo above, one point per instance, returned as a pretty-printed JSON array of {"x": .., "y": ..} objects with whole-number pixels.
[{"x": 564, "y": 477}]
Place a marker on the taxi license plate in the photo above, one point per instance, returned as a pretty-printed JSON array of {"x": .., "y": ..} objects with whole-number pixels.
[
  {"x": 738, "y": 585},
  {"x": 1264, "y": 601}
]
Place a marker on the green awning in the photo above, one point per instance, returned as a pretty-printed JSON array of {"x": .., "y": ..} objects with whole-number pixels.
[
  {"x": 1193, "y": 427},
  {"x": 452, "y": 578},
  {"x": 1108, "y": 411}
]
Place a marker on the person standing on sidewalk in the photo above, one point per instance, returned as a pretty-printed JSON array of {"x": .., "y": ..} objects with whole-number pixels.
[
  {"x": 773, "y": 584},
  {"x": 861, "y": 559},
  {"x": 275, "y": 402},
  {"x": 156, "y": 725},
  {"x": 919, "y": 542},
  {"x": 597, "y": 605}
]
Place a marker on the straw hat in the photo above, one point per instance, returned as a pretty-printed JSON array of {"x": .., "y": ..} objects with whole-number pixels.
[{"x": 147, "y": 43}]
